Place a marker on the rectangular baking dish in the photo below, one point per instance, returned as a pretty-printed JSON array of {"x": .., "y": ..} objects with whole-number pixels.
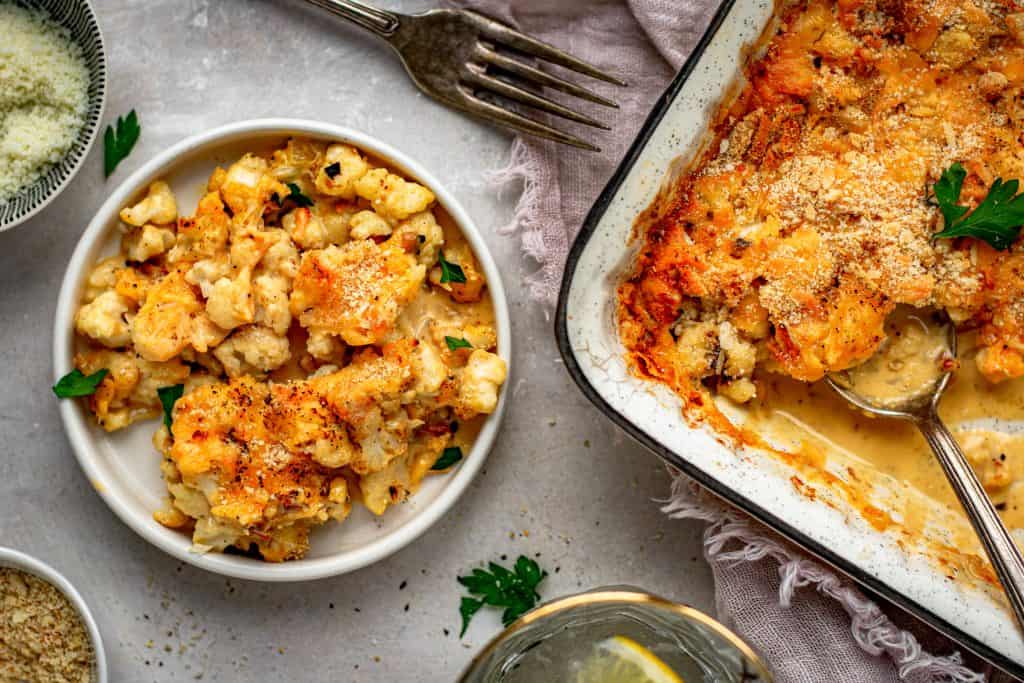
[{"x": 753, "y": 480}]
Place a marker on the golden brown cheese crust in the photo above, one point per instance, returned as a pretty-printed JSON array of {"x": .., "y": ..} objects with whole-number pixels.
[{"x": 809, "y": 216}]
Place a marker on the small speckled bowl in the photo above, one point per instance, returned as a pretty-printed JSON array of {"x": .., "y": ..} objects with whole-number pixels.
[
  {"x": 79, "y": 18},
  {"x": 17, "y": 560}
]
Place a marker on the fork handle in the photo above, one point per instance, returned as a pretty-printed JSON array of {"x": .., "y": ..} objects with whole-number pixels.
[
  {"x": 377, "y": 21},
  {"x": 1002, "y": 552}
]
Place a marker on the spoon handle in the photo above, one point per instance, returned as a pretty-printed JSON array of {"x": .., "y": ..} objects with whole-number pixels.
[{"x": 1002, "y": 551}]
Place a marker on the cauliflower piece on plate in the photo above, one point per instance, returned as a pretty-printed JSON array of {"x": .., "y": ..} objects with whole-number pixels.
[{"x": 355, "y": 291}]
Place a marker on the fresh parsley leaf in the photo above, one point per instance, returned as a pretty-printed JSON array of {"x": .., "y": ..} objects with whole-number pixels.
[
  {"x": 456, "y": 343},
  {"x": 295, "y": 194},
  {"x": 76, "y": 384},
  {"x": 513, "y": 590},
  {"x": 450, "y": 272},
  {"x": 997, "y": 219},
  {"x": 449, "y": 457},
  {"x": 467, "y": 608},
  {"x": 333, "y": 170},
  {"x": 168, "y": 397},
  {"x": 118, "y": 144}
]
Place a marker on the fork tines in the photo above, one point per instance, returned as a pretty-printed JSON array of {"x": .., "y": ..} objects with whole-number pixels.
[{"x": 504, "y": 37}]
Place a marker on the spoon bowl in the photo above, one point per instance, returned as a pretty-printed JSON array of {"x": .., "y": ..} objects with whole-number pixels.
[
  {"x": 913, "y": 406},
  {"x": 920, "y": 406}
]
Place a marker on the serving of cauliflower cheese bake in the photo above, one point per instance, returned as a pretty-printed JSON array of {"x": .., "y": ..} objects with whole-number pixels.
[
  {"x": 318, "y": 332},
  {"x": 871, "y": 159}
]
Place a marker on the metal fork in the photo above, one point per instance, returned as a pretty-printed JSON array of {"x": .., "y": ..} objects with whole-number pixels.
[{"x": 452, "y": 55}]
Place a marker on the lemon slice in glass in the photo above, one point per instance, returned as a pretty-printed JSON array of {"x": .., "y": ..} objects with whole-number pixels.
[{"x": 623, "y": 660}]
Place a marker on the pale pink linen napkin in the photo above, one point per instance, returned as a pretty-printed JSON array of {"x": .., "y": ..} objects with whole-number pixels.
[{"x": 811, "y": 625}]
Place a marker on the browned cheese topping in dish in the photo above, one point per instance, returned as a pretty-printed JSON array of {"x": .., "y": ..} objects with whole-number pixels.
[
  {"x": 812, "y": 213},
  {"x": 810, "y": 216},
  {"x": 42, "y": 638},
  {"x": 330, "y": 325}
]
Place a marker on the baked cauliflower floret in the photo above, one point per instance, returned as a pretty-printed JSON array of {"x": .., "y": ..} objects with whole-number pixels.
[
  {"x": 423, "y": 235},
  {"x": 281, "y": 257},
  {"x": 740, "y": 355},
  {"x": 391, "y": 196},
  {"x": 203, "y": 236},
  {"x": 480, "y": 380},
  {"x": 325, "y": 347},
  {"x": 270, "y": 293},
  {"x": 172, "y": 319},
  {"x": 337, "y": 220},
  {"x": 306, "y": 228},
  {"x": 296, "y": 160},
  {"x": 102, "y": 277},
  {"x": 429, "y": 369},
  {"x": 402, "y": 476},
  {"x": 342, "y": 166},
  {"x": 129, "y": 391},
  {"x": 142, "y": 244},
  {"x": 105, "y": 319},
  {"x": 367, "y": 395},
  {"x": 367, "y": 224},
  {"x": 252, "y": 350},
  {"x": 248, "y": 186},
  {"x": 158, "y": 207},
  {"x": 231, "y": 303},
  {"x": 355, "y": 291},
  {"x": 205, "y": 272},
  {"x": 134, "y": 283}
]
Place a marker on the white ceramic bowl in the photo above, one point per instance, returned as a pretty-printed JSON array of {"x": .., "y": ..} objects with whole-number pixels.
[
  {"x": 124, "y": 466},
  {"x": 19, "y": 560}
]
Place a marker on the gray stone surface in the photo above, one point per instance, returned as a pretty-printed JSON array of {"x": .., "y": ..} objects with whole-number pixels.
[{"x": 560, "y": 472}]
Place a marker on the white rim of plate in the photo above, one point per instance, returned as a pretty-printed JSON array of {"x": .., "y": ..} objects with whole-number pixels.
[
  {"x": 15, "y": 559},
  {"x": 74, "y": 418}
]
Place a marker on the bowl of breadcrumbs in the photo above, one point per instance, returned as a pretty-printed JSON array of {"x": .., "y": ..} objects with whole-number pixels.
[{"x": 47, "y": 634}]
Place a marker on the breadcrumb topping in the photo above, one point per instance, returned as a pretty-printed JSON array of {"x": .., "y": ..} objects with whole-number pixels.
[{"x": 42, "y": 638}]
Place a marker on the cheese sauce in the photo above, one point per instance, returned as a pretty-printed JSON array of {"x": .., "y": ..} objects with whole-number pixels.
[
  {"x": 907, "y": 367},
  {"x": 984, "y": 417}
]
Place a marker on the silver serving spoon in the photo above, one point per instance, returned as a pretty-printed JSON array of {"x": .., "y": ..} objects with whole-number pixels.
[{"x": 920, "y": 407}]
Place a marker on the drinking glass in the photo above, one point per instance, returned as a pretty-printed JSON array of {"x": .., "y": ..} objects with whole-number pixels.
[{"x": 552, "y": 642}]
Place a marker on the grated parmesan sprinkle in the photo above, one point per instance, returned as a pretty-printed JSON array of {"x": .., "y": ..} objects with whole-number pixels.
[{"x": 43, "y": 96}]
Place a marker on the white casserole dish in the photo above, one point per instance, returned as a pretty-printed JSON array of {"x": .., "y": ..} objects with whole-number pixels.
[
  {"x": 123, "y": 466},
  {"x": 748, "y": 478}
]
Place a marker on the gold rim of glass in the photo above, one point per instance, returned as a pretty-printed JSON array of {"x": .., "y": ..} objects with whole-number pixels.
[{"x": 619, "y": 596}]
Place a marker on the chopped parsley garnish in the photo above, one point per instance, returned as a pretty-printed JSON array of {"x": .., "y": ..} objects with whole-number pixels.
[
  {"x": 76, "y": 384},
  {"x": 998, "y": 218},
  {"x": 333, "y": 170},
  {"x": 295, "y": 194},
  {"x": 515, "y": 590},
  {"x": 168, "y": 397},
  {"x": 449, "y": 457},
  {"x": 456, "y": 343},
  {"x": 450, "y": 272},
  {"x": 118, "y": 144}
]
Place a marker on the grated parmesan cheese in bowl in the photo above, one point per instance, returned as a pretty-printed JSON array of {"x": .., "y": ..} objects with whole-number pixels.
[{"x": 43, "y": 96}]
